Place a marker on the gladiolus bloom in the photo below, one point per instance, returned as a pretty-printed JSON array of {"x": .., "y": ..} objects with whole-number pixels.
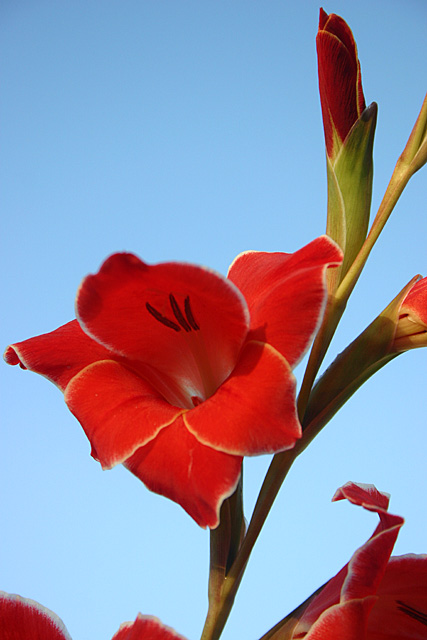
[
  {"x": 24, "y": 619},
  {"x": 374, "y": 597},
  {"x": 178, "y": 372},
  {"x": 340, "y": 80}
]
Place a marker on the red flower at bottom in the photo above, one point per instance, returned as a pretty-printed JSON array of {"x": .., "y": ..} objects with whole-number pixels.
[
  {"x": 374, "y": 597},
  {"x": 24, "y": 619},
  {"x": 178, "y": 372}
]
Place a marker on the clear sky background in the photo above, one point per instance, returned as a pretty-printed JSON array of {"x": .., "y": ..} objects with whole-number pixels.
[{"x": 191, "y": 130}]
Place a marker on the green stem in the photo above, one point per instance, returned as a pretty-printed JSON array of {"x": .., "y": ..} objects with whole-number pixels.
[
  {"x": 398, "y": 182},
  {"x": 277, "y": 472},
  {"x": 333, "y": 313}
]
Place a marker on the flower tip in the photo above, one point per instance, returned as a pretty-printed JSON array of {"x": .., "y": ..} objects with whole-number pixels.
[
  {"x": 370, "y": 112},
  {"x": 10, "y": 356},
  {"x": 323, "y": 16}
]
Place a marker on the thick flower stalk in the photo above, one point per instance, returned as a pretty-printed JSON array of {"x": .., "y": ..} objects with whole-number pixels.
[
  {"x": 177, "y": 372},
  {"x": 373, "y": 596},
  {"x": 25, "y": 619},
  {"x": 349, "y": 135}
]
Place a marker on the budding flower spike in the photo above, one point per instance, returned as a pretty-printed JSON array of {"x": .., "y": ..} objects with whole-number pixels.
[{"x": 349, "y": 137}]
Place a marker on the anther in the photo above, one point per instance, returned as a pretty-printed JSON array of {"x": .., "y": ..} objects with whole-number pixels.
[
  {"x": 420, "y": 616},
  {"x": 158, "y": 316},
  {"x": 189, "y": 314},
  {"x": 178, "y": 314}
]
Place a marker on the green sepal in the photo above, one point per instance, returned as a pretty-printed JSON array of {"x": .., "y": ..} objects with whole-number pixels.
[
  {"x": 350, "y": 175},
  {"x": 371, "y": 350}
]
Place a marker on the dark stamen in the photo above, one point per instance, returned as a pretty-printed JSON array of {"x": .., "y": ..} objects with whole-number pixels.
[
  {"x": 412, "y": 612},
  {"x": 189, "y": 314},
  {"x": 177, "y": 313},
  {"x": 156, "y": 314}
]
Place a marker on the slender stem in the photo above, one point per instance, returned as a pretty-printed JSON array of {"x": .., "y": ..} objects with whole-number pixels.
[
  {"x": 398, "y": 182},
  {"x": 332, "y": 316},
  {"x": 273, "y": 480}
]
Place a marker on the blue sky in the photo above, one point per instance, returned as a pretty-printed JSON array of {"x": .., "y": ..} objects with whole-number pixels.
[{"x": 191, "y": 130}]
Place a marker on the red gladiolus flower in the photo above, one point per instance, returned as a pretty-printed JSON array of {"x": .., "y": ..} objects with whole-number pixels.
[
  {"x": 24, "y": 619},
  {"x": 340, "y": 81},
  {"x": 178, "y": 372},
  {"x": 374, "y": 597}
]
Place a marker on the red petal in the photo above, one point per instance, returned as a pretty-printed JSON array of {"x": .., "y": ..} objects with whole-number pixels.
[
  {"x": 146, "y": 628},
  {"x": 58, "y": 355},
  {"x": 340, "y": 84},
  {"x": 401, "y": 610},
  {"x": 24, "y": 619},
  {"x": 345, "y": 621},
  {"x": 253, "y": 411},
  {"x": 363, "y": 495},
  {"x": 362, "y": 576},
  {"x": 117, "y": 409},
  {"x": 415, "y": 303},
  {"x": 368, "y": 564},
  {"x": 178, "y": 467},
  {"x": 286, "y": 294},
  {"x": 185, "y": 321}
]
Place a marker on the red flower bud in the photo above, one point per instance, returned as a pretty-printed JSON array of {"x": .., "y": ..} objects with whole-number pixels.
[{"x": 340, "y": 81}]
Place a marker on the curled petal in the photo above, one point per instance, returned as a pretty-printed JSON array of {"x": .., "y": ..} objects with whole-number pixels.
[
  {"x": 58, "y": 355},
  {"x": 361, "y": 578},
  {"x": 368, "y": 564},
  {"x": 117, "y": 409},
  {"x": 182, "y": 320},
  {"x": 146, "y": 628},
  {"x": 286, "y": 294},
  {"x": 25, "y": 619},
  {"x": 254, "y": 410},
  {"x": 178, "y": 467},
  {"x": 363, "y": 495}
]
